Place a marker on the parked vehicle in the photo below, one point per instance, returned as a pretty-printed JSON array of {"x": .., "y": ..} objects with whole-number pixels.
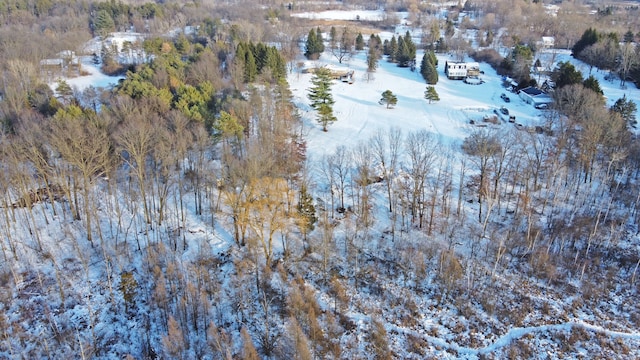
[
  {"x": 504, "y": 97},
  {"x": 542, "y": 106},
  {"x": 504, "y": 110}
]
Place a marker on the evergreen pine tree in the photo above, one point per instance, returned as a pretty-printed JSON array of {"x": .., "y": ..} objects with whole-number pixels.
[
  {"x": 566, "y": 74},
  {"x": 431, "y": 94},
  {"x": 310, "y": 45},
  {"x": 386, "y": 48},
  {"x": 428, "y": 69},
  {"x": 406, "y": 55},
  {"x": 319, "y": 40},
  {"x": 241, "y": 54},
  {"x": 423, "y": 65},
  {"x": 433, "y": 58},
  {"x": 306, "y": 211},
  {"x": 260, "y": 55},
  {"x": 314, "y": 46},
  {"x": 325, "y": 115},
  {"x": 626, "y": 108},
  {"x": 250, "y": 67},
  {"x": 389, "y": 99},
  {"x": 589, "y": 37},
  {"x": 393, "y": 49},
  {"x": 65, "y": 91},
  {"x": 593, "y": 84},
  {"x": 359, "y": 42},
  {"x": 276, "y": 63},
  {"x": 103, "y": 23},
  {"x": 399, "y": 48},
  {"x": 321, "y": 97}
]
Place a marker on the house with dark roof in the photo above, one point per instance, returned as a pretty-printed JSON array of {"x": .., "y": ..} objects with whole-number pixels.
[{"x": 534, "y": 96}]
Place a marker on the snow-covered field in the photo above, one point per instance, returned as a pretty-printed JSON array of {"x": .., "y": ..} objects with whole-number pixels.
[
  {"x": 94, "y": 77},
  {"x": 360, "y": 115},
  {"x": 370, "y": 15}
]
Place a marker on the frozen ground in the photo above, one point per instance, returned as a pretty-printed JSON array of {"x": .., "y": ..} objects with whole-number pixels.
[
  {"x": 360, "y": 116},
  {"x": 93, "y": 78},
  {"x": 610, "y": 86},
  {"x": 370, "y": 15}
]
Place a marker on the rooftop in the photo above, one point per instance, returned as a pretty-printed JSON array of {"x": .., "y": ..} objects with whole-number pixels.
[{"x": 532, "y": 91}]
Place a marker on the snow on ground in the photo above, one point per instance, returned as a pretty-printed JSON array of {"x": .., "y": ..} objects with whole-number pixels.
[
  {"x": 369, "y": 15},
  {"x": 360, "y": 116},
  {"x": 117, "y": 39},
  {"x": 609, "y": 85},
  {"x": 94, "y": 78},
  {"x": 92, "y": 75}
]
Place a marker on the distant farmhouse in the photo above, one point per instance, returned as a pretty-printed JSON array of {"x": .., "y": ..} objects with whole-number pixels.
[
  {"x": 337, "y": 73},
  {"x": 461, "y": 70},
  {"x": 66, "y": 64},
  {"x": 547, "y": 42}
]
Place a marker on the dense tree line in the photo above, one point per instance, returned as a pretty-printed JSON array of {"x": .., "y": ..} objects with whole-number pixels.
[
  {"x": 257, "y": 59},
  {"x": 401, "y": 50},
  {"x": 315, "y": 44},
  {"x": 607, "y": 52},
  {"x": 114, "y": 205},
  {"x": 428, "y": 67},
  {"x": 151, "y": 145}
]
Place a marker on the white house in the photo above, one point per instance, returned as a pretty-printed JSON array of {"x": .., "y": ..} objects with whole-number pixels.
[
  {"x": 534, "y": 96},
  {"x": 461, "y": 70},
  {"x": 547, "y": 42}
]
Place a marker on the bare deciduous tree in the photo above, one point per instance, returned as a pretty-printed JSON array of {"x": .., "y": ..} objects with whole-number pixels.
[
  {"x": 137, "y": 139},
  {"x": 421, "y": 147},
  {"x": 482, "y": 145},
  {"x": 84, "y": 142},
  {"x": 266, "y": 211},
  {"x": 343, "y": 48}
]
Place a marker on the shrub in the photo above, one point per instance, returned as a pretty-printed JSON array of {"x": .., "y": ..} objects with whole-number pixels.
[
  {"x": 489, "y": 56},
  {"x": 416, "y": 345}
]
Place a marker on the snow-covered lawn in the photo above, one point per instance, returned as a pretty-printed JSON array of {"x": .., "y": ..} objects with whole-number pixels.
[
  {"x": 360, "y": 115},
  {"x": 369, "y": 15},
  {"x": 94, "y": 77}
]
